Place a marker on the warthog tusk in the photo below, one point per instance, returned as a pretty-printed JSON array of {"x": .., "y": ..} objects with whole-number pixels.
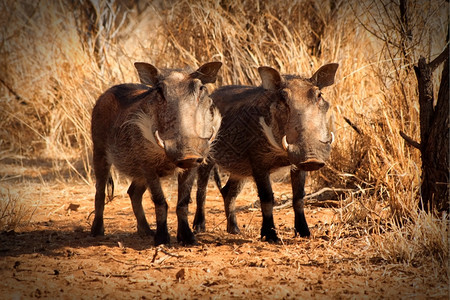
[
  {"x": 284, "y": 143},
  {"x": 332, "y": 137},
  {"x": 159, "y": 140}
]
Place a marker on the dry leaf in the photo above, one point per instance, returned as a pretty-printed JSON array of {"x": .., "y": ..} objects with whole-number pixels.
[{"x": 180, "y": 275}]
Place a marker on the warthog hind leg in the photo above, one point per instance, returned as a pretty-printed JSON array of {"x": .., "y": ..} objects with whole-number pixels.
[{"x": 135, "y": 191}]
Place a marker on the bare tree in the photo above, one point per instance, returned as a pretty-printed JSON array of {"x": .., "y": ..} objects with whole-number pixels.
[
  {"x": 393, "y": 23},
  {"x": 434, "y": 134}
]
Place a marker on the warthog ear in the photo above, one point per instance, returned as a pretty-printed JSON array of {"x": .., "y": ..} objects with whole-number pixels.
[
  {"x": 271, "y": 78},
  {"x": 148, "y": 74},
  {"x": 208, "y": 72},
  {"x": 324, "y": 76}
]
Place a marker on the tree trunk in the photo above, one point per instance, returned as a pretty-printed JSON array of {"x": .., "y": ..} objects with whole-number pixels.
[
  {"x": 435, "y": 152},
  {"x": 434, "y": 134}
]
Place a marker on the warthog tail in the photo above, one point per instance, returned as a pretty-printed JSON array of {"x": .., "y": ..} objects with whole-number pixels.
[
  {"x": 110, "y": 188},
  {"x": 217, "y": 177}
]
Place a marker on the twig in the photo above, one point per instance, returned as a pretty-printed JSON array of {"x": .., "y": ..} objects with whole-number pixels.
[
  {"x": 410, "y": 141},
  {"x": 98, "y": 273},
  {"x": 11, "y": 90},
  {"x": 438, "y": 60},
  {"x": 353, "y": 126},
  {"x": 128, "y": 263},
  {"x": 167, "y": 255},
  {"x": 170, "y": 254}
]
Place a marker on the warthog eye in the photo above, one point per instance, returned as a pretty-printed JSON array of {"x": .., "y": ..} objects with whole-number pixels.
[
  {"x": 284, "y": 95},
  {"x": 323, "y": 104},
  {"x": 160, "y": 88}
]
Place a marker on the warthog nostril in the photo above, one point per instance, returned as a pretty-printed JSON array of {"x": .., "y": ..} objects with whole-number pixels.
[
  {"x": 311, "y": 164},
  {"x": 189, "y": 162},
  {"x": 330, "y": 141}
]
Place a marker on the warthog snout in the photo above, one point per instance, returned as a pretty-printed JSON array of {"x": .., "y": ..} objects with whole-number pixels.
[
  {"x": 310, "y": 160},
  {"x": 311, "y": 164},
  {"x": 189, "y": 162},
  {"x": 185, "y": 154}
]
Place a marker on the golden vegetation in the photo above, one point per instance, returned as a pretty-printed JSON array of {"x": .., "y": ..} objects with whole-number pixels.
[{"x": 53, "y": 66}]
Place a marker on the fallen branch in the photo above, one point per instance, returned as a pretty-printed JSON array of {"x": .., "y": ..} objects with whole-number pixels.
[
  {"x": 313, "y": 195},
  {"x": 325, "y": 203}
]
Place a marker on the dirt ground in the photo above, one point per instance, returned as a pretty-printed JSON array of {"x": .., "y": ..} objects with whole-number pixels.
[{"x": 55, "y": 257}]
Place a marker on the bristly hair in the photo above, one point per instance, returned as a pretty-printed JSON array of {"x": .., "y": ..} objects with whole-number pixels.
[{"x": 145, "y": 124}]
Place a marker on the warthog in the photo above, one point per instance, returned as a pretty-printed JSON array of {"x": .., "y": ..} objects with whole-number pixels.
[
  {"x": 150, "y": 132},
  {"x": 281, "y": 123}
]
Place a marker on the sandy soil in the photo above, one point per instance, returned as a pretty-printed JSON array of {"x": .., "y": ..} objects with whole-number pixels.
[{"x": 54, "y": 256}]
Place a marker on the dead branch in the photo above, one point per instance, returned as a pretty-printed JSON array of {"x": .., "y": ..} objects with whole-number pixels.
[
  {"x": 353, "y": 126},
  {"x": 438, "y": 60},
  {"x": 410, "y": 141}
]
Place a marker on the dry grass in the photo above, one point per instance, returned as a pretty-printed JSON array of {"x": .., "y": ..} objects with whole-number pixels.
[
  {"x": 53, "y": 69},
  {"x": 414, "y": 242},
  {"x": 14, "y": 212}
]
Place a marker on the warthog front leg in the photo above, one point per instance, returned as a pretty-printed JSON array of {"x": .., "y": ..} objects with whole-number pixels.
[
  {"x": 202, "y": 183},
  {"x": 298, "y": 191},
  {"x": 135, "y": 191},
  {"x": 185, "y": 181},
  {"x": 229, "y": 193},
  {"x": 265, "y": 194},
  {"x": 162, "y": 234}
]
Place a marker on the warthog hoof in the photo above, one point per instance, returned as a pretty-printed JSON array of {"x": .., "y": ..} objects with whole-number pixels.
[
  {"x": 198, "y": 228},
  {"x": 199, "y": 223},
  {"x": 301, "y": 227},
  {"x": 146, "y": 231},
  {"x": 97, "y": 228},
  {"x": 162, "y": 237},
  {"x": 270, "y": 234},
  {"x": 233, "y": 229},
  {"x": 302, "y": 231},
  {"x": 186, "y": 237}
]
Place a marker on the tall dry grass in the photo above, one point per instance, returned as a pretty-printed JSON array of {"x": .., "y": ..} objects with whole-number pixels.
[{"x": 54, "y": 64}]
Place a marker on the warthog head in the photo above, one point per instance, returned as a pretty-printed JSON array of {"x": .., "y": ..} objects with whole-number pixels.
[
  {"x": 185, "y": 120},
  {"x": 300, "y": 116}
]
